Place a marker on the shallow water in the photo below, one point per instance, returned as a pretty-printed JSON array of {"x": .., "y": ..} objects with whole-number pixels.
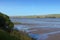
[{"x": 39, "y": 28}]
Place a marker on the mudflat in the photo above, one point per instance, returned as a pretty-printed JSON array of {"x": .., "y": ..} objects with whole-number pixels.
[
  {"x": 49, "y": 33},
  {"x": 44, "y": 30},
  {"x": 54, "y": 37}
]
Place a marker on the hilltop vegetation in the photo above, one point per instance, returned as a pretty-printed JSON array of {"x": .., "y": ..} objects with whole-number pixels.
[
  {"x": 7, "y": 31},
  {"x": 39, "y": 16}
]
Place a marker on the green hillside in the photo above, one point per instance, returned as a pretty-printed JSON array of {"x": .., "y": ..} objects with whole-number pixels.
[{"x": 39, "y": 16}]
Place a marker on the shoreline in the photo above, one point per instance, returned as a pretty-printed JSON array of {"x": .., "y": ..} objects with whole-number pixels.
[{"x": 46, "y": 36}]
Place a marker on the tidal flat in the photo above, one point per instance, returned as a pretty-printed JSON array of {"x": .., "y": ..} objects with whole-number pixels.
[{"x": 40, "y": 29}]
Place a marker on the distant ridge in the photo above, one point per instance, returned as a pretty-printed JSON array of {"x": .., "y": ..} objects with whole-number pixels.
[{"x": 38, "y": 16}]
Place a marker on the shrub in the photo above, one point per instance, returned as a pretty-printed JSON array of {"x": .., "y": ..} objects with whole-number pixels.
[{"x": 5, "y": 23}]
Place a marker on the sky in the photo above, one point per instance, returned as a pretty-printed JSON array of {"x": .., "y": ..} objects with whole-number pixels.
[{"x": 29, "y": 7}]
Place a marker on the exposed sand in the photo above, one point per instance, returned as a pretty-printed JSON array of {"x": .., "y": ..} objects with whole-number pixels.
[
  {"x": 54, "y": 37},
  {"x": 44, "y": 30}
]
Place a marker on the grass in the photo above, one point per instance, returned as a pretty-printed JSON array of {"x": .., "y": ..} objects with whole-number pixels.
[
  {"x": 15, "y": 35},
  {"x": 5, "y": 36}
]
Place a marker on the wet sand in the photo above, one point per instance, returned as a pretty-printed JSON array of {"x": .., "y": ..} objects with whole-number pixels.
[
  {"x": 47, "y": 33},
  {"x": 43, "y": 30},
  {"x": 54, "y": 37},
  {"x": 43, "y": 33}
]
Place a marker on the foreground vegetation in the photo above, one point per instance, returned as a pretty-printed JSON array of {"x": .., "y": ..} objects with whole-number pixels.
[
  {"x": 15, "y": 35},
  {"x": 7, "y": 31}
]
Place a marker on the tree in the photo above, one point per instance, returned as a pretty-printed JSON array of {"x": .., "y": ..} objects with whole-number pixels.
[{"x": 5, "y": 23}]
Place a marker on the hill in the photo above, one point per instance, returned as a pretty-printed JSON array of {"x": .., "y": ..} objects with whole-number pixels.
[{"x": 38, "y": 16}]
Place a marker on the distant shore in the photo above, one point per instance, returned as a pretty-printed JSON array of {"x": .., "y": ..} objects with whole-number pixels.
[{"x": 38, "y": 16}]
